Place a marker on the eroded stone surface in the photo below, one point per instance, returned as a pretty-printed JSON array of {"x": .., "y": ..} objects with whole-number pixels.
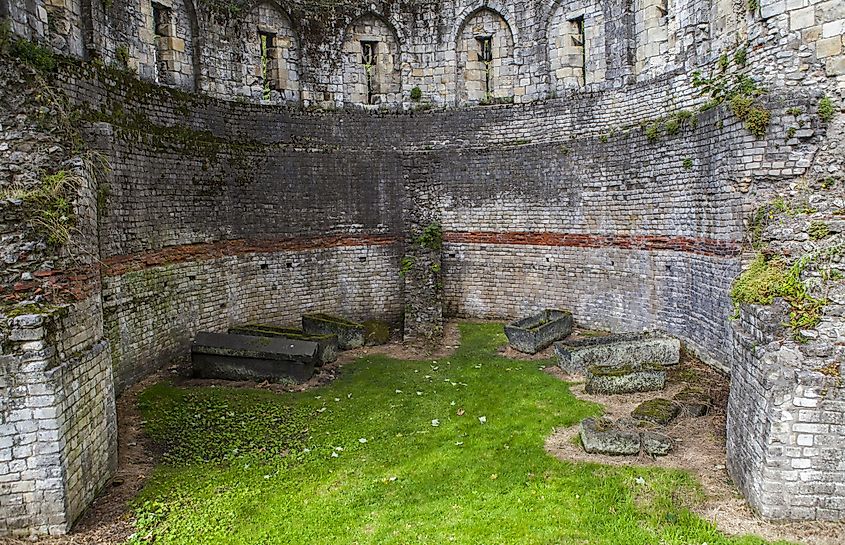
[
  {"x": 656, "y": 443},
  {"x": 349, "y": 334},
  {"x": 243, "y": 357},
  {"x": 624, "y": 380},
  {"x": 600, "y": 436},
  {"x": 618, "y": 351},
  {"x": 327, "y": 344}
]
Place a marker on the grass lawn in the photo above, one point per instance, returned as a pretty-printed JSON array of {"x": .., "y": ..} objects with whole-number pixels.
[{"x": 400, "y": 452}]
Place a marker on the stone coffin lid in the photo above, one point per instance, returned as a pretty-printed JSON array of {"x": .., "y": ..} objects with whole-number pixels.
[
  {"x": 615, "y": 338},
  {"x": 268, "y": 348},
  {"x": 265, "y": 330}
]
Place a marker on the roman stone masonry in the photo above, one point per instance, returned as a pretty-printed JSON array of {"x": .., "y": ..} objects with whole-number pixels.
[{"x": 175, "y": 166}]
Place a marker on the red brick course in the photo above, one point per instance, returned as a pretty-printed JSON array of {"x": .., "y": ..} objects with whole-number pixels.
[{"x": 701, "y": 246}]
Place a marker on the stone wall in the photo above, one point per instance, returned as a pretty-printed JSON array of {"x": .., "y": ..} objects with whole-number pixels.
[{"x": 604, "y": 188}]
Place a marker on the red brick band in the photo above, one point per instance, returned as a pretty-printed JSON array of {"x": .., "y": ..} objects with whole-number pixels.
[
  {"x": 117, "y": 265},
  {"x": 702, "y": 246}
]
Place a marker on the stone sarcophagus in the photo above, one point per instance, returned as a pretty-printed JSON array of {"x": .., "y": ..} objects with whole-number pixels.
[
  {"x": 246, "y": 357},
  {"x": 326, "y": 344},
  {"x": 538, "y": 331},
  {"x": 626, "y": 349},
  {"x": 349, "y": 334}
]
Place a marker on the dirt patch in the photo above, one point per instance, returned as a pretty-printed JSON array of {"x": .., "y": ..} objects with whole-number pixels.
[{"x": 700, "y": 450}]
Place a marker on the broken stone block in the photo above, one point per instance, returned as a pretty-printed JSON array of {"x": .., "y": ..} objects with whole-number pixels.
[
  {"x": 659, "y": 411},
  {"x": 244, "y": 357},
  {"x": 536, "y": 332},
  {"x": 618, "y": 351},
  {"x": 326, "y": 344},
  {"x": 376, "y": 332},
  {"x": 600, "y": 436},
  {"x": 603, "y": 379},
  {"x": 693, "y": 402},
  {"x": 656, "y": 444},
  {"x": 349, "y": 334}
]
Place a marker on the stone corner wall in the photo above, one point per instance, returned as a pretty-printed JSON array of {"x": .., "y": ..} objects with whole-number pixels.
[
  {"x": 58, "y": 436},
  {"x": 786, "y": 422}
]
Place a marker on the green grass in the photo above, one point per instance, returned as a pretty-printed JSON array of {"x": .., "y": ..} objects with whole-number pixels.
[{"x": 461, "y": 481}]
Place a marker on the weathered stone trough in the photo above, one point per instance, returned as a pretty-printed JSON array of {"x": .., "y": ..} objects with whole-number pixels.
[
  {"x": 327, "y": 347},
  {"x": 245, "y": 357},
  {"x": 349, "y": 334},
  {"x": 627, "y": 349},
  {"x": 534, "y": 333},
  {"x": 627, "y": 379}
]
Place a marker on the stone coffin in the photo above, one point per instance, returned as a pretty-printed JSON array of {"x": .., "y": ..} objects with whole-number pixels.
[
  {"x": 326, "y": 344},
  {"x": 617, "y": 351},
  {"x": 245, "y": 357},
  {"x": 534, "y": 333},
  {"x": 349, "y": 334},
  {"x": 627, "y": 379}
]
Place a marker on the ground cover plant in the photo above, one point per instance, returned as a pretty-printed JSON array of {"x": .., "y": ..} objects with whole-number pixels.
[{"x": 436, "y": 451}]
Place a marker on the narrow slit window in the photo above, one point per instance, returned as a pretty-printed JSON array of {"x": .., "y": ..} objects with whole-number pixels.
[
  {"x": 485, "y": 55},
  {"x": 268, "y": 45},
  {"x": 162, "y": 17},
  {"x": 369, "y": 58},
  {"x": 662, "y": 8},
  {"x": 579, "y": 40}
]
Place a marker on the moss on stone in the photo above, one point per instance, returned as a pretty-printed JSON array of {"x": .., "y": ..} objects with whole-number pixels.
[
  {"x": 376, "y": 332},
  {"x": 659, "y": 411}
]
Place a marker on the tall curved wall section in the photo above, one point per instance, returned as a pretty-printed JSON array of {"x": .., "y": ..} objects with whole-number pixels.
[{"x": 561, "y": 146}]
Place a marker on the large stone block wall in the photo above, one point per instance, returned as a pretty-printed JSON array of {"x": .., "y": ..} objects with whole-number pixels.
[{"x": 786, "y": 420}]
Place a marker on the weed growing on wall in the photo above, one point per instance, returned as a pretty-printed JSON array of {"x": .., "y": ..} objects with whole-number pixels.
[
  {"x": 818, "y": 230},
  {"x": 406, "y": 265},
  {"x": 740, "y": 92},
  {"x": 52, "y": 204},
  {"x": 826, "y": 109},
  {"x": 766, "y": 279},
  {"x": 431, "y": 237},
  {"x": 121, "y": 54}
]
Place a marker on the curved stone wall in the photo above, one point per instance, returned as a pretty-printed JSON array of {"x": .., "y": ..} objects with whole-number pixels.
[{"x": 592, "y": 180}]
